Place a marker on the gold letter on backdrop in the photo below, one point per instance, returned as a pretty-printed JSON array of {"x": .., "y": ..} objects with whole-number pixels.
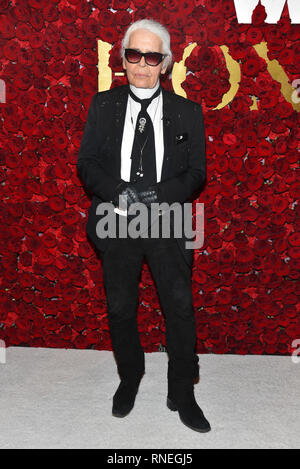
[
  {"x": 234, "y": 69},
  {"x": 104, "y": 70},
  {"x": 179, "y": 73},
  {"x": 277, "y": 73}
]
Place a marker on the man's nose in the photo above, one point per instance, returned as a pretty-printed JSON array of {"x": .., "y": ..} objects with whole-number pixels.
[{"x": 143, "y": 62}]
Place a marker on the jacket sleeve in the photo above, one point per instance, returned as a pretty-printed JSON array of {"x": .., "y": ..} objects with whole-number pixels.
[
  {"x": 91, "y": 172},
  {"x": 180, "y": 188}
]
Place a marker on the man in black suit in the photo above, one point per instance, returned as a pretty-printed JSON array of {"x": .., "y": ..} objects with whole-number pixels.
[{"x": 144, "y": 145}]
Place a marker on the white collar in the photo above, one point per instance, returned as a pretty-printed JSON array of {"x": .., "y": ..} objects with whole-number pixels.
[{"x": 144, "y": 93}]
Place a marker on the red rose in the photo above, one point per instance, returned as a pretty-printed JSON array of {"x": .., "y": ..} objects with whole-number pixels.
[
  {"x": 216, "y": 35},
  {"x": 83, "y": 10},
  {"x": 25, "y": 259},
  {"x": 279, "y": 204},
  {"x": 279, "y": 127},
  {"x": 201, "y": 14},
  {"x": 56, "y": 69},
  {"x": 259, "y": 15},
  {"x": 106, "y": 18},
  {"x": 192, "y": 62},
  {"x": 7, "y": 26},
  {"x": 227, "y": 7},
  {"x": 252, "y": 165},
  {"x": 69, "y": 31},
  {"x": 224, "y": 297},
  {"x": 192, "y": 82},
  {"x": 286, "y": 57},
  {"x": 231, "y": 37},
  {"x": 100, "y": 4},
  {"x": 240, "y": 105},
  {"x": 72, "y": 194},
  {"x": 91, "y": 28},
  {"x": 274, "y": 48},
  {"x": 226, "y": 256},
  {"x": 265, "y": 148},
  {"x": 22, "y": 13},
  {"x": 60, "y": 141},
  {"x": 23, "y": 31},
  {"x": 81, "y": 342},
  {"x": 51, "y": 13},
  {"x": 254, "y": 35},
  {"x": 267, "y": 102},
  {"x": 123, "y": 18},
  {"x": 36, "y": 19},
  {"x": 251, "y": 67},
  {"x": 140, "y": 3},
  {"x": 68, "y": 15},
  {"x": 284, "y": 110},
  {"x": 93, "y": 337},
  {"x": 294, "y": 239},
  {"x": 200, "y": 35},
  {"x": 263, "y": 84},
  {"x": 192, "y": 28},
  {"x": 213, "y": 95},
  {"x": 235, "y": 164},
  {"x": 177, "y": 36},
  {"x": 120, "y": 4},
  {"x": 207, "y": 57},
  {"x": 172, "y": 5},
  {"x": 237, "y": 51},
  {"x": 23, "y": 78},
  {"x": 58, "y": 92},
  {"x": 237, "y": 150},
  {"x": 249, "y": 138},
  {"x": 109, "y": 35},
  {"x": 213, "y": 6}
]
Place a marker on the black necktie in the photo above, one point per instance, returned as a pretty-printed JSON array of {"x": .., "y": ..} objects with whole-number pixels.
[{"x": 143, "y": 158}]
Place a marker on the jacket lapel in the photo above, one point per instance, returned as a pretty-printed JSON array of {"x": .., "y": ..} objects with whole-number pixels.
[
  {"x": 168, "y": 130},
  {"x": 119, "y": 121}
]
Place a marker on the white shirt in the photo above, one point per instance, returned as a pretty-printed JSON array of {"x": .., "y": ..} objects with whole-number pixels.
[{"x": 155, "y": 111}]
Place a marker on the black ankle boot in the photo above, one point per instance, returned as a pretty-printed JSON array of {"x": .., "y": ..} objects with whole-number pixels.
[
  {"x": 124, "y": 398},
  {"x": 189, "y": 412}
]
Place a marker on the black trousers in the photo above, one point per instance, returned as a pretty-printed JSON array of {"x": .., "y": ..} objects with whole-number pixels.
[{"x": 122, "y": 263}]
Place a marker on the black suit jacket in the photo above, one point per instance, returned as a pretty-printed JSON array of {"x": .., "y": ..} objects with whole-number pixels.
[{"x": 99, "y": 161}]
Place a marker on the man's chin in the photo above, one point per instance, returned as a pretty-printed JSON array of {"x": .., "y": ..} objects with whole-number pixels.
[{"x": 140, "y": 83}]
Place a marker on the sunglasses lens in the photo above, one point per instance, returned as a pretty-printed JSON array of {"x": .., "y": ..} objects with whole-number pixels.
[
  {"x": 153, "y": 58},
  {"x": 133, "y": 56}
]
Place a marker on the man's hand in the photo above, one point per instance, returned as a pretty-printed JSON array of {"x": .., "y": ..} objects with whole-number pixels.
[
  {"x": 130, "y": 194},
  {"x": 126, "y": 194},
  {"x": 149, "y": 196}
]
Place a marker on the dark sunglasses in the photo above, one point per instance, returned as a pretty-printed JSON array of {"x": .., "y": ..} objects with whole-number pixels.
[{"x": 151, "y": 58}]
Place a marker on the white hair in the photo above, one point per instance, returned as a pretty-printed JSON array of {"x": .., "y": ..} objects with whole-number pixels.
[{"x": 156, "y": 28}]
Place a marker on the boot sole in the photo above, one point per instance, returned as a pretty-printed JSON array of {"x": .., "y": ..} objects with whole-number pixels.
[
  {"x": 116, "y": 414},
  {"x": 173, "y": 407}
]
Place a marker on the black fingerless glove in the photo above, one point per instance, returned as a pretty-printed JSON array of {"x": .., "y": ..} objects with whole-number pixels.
[
  {"x": 125, "y": 195},
  {"x": 149, "y": 196}
]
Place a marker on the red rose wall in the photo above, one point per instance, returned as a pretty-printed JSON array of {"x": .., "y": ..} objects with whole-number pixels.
[{"x": 246, "y": 276}]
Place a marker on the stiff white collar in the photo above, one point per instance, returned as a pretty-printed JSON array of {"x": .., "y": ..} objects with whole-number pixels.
[{"x": 144, "y": 93}]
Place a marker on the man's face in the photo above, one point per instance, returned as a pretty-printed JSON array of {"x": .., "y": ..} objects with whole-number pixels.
[{"x": 142, "y": 75}]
